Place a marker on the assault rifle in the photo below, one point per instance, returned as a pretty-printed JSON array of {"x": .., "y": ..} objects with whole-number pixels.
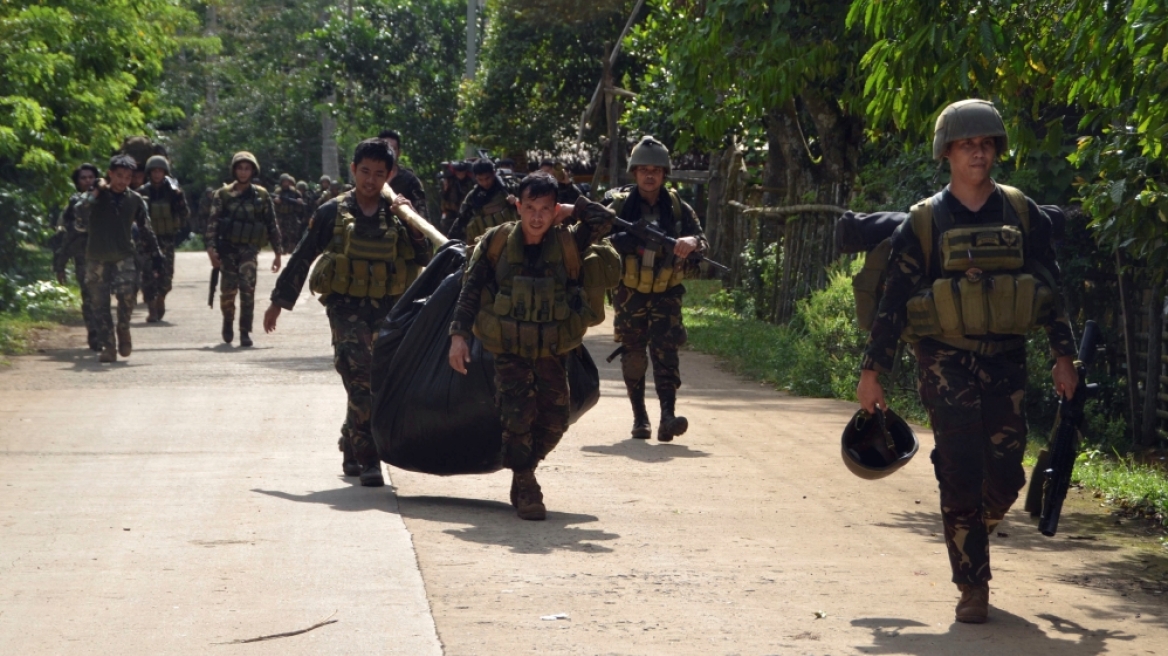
[
  {"x": 1052, "y": 475},
  {"x": 653, "y": 235},
  {"x": 214, "y": 285}
]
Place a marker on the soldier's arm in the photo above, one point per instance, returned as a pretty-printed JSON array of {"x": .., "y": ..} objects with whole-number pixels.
[
  {"x": 691, "y": 227},
  {"x": 417, "y": 195},
  {"x": 82, "y": 211},
  {"x": 273, "y": 225},
  {"x": 1056, "y": 325},
  {"x": 312, "y": 244},
  {"x": 904, "y": 274},
  {"x": 465, "y": 214},
  {"x": 213, "y": 220},
  {"x": 146, "y": 237},
  {"x": 180, "y": 208},
  {"x": 478, "y": 274},
  {"x": 423, "y": 249},
  {"x": 593, "y": 223}
]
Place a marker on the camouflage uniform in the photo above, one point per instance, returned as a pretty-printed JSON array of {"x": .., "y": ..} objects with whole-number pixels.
[
  {"x": 975, "y": 400},
  {"x": 454, "y": 191},
  {"x": 651, "y": 320},
  {"x": 407, "y": 183},
  {"x": 155, "y": 288},
  {"x": 238, "y": 261},
  {"x": 110, "y": 259},
  {"x": 71, "y": 246},
  {"x": 353, "y": 320},
  {"x": 491, "y": 205},
  {"x": 290, "y": 215}
]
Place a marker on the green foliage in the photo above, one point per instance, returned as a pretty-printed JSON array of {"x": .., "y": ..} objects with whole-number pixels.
[
  {"x": 33, "y": 307},
  {"x": 1137, "y": 489}
]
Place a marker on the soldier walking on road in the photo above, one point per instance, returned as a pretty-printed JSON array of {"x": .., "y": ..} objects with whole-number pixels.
[
  {"x": 526, "y": 308},
  {"x": 108, "y": 213},
  {"x": 455, "y": 187},
  {"x": 289, "y": 213},
  {"x": 169, "y": 216},
  {"x": 71, "y": 244},
  {"x": 369, "y": 258},
  {"x": 976, "y": 246},
  {"x": 242, "y": 219},
  {"x": 648, "y": 299},
  {"x": 404, "y": 181},
  {"x": 486, "y": 206}
]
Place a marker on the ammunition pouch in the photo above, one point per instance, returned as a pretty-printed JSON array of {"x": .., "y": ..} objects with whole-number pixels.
[
  {"x": 652, "y": 273},
  {"x": 989, "y": 248},
  {"x": 243, "y": 221},
  {"x": 500, "y": 332},
  {"x": 363, "y": 265},
  {"x": 995, "y": 304},
  {"x": 601, "y": 272},
  {"x": 162, "y": 218},
  {"x": 488, "y": 216}
]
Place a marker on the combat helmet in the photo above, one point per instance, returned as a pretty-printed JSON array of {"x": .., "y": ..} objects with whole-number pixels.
[
  {"x": 650, "y": 152},
  {"x": 158, "y": 162},
  {"x": 244, "y": 156},
  {"x": 325, "y": 178},
  {"x": 874, "y": 446},
  {"x": 289, "y": 178},
  {"x": 302, "y": 186},
  {"x": 969, "y": 118}
]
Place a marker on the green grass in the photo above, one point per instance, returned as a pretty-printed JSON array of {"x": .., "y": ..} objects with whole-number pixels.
[{"x": 40, "y": 306}]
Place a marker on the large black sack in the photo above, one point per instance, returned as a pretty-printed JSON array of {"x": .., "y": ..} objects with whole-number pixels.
[{"x": 427, "y": 417}]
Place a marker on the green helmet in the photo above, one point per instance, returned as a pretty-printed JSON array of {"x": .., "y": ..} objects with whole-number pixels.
[
  {"x": 302, "y": 185},
  {"x": 966, "y": 119},
  {"x": 650, "y": 152},
  {"x": 325, "y": 178},
  {"x": 874, "y": 446},
  {"x": 284, "y": 177},
  {"x": 158, "y": 162},
  {"x": 244, "y": 156}
]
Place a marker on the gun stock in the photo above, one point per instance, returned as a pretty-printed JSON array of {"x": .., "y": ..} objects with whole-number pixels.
[
  {"x": 214, "y": 286},
  {"x": 651, "y": 235}
]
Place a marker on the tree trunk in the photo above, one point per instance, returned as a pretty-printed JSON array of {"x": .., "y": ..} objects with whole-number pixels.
[
  {"x": 1129, "y": 347},
  {"x": 1152, "y": 377},
  {"x": 328, "y": 142}
]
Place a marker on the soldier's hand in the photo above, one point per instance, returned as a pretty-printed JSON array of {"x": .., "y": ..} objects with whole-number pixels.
[
  {"x": 214, "y": 258},
  {"x": 100, "y": 186},
  {"x": 685, "y": 246},
  {"x": 1066, "y": 378},
  {"x": 276, "y": 262},
  {"x": 270, "y": 317},
  {"x": 869, "y": 392},
  {"x": 156, "y": 263},
  {"x": 400, "y": 200},
  {"x": 592, "y": 213},
  {"x": 459, "y": 354}
]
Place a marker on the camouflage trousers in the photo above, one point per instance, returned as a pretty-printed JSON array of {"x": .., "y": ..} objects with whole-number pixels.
[
  {"x": 290, "y": 227},
  {"x": 86, "y": 296},
  {"x": 976, "y": 405},
  {"x": 532, "y": 398},
  {"x": 354, "y": 326},
  {"x": 119, "y": 279},
  {"x": 237, "y": 277},
  {"x": 652, "y": 321},
  {"x": 153, "y": 287}
]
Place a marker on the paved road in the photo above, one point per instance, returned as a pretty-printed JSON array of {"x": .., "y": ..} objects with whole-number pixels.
[{"x": 221, "y": 464}]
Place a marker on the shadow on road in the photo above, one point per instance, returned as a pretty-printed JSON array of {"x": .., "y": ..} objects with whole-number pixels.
[
  {"x": 83, "y": 359},
  {"x": 901, "y": 636},
  {"x": 308, "y": 363},
  {"x": 644, "y": 451},
  {"x": 351, "y": 498}
]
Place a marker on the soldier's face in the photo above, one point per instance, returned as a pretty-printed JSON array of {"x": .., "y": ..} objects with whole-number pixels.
[
  {"x": 369, "y": 176},
  {"x": 485, "y": 180},
  {"x": 119, "y": 179},
  {"x": 244, "y": 171},
  {"x": 156, "y": 175},
  {"x": 649, "y": 178},
  {"x": 138, "y": 178},
  {"x": 461, "y": 175},
  {"x": 85, "y": 180},
  {"x": 536, "y": 216},
  {"x": 971, "y": 160}
]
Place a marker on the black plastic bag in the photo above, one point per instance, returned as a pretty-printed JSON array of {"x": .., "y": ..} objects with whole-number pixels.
[{"x": 427, "y": 417}]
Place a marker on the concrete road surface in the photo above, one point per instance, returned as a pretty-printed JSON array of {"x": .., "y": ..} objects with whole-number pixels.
[{"x": 191, "y": 496}]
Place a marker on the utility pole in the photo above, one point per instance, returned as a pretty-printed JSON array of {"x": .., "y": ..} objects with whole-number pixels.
[
  {"x": 328, "y": 131},
  {"x": 212, "y": 29},
  {"x": 472, "y": 43}
]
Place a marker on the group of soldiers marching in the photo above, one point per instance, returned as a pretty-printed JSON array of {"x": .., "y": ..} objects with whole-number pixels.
[{"x": 524, "y": 299}]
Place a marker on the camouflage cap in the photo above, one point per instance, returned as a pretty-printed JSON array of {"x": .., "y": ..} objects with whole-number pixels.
[
  {"x": 650, "y": 152},
  {"x": 244, "y": 156},
  {"x": 158, "y": 162},
  {"x": 966, "y": 119}
]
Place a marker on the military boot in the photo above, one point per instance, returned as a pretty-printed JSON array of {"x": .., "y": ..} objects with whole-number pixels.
[
  {"x": 973, "y": 608},
  {"x": 349, "y": 465},
  {"x": 152, "y": 311},
  {"x": 642, "y": 429},
  {"x": 228, "y": 328},
  {"x": 94, "y": 343},
  {"x": 371, "y": 474},
  {"x": 244, "y": 340},
  {"x": 528, "y": 496},
  {"x": 124, "y": 345},
  {"x": 160, "y": 302},
  {"x": 670, "y": 425},
  {"x": 108, "y": 354}
]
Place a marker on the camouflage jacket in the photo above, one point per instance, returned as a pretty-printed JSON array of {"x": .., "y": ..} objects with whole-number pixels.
[
  {"x": 210, "y": 238},
  {"x": 407, "y": 184}
]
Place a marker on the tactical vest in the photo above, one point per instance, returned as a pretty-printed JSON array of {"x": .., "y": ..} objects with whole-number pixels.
[
  {"x": 162, "y": 217},
  {"x": 288, "y": 209},
  {"x": 652, "y": 270},
  {"x": 242, "y": 220},
  {"x": 363, "y": 265},
  {"x": 986, "y": 286},
  {"x": 533, "y": 313},
  {"x": 495, "y": 213}
]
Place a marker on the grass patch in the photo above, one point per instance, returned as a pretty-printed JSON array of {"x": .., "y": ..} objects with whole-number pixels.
[
  {"x": 39, "y": 306},
  {"x": 1136, "y": 489}
]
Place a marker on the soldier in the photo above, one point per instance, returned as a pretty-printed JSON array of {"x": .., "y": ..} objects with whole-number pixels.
[
  {"x": 566, "y": 193},
  {"x": 326, "y": 192},
  {"x": 972, "y": 372},
  {"x": 489, "y": 204},
  {"x": 242, "y": 218},
  {"x": 517, "y": 269},
  {"x": 70, "y": 245},
  {"x": 289, "y": 212},
  {"x": 107, "y": 213},
  {"x": 647, "y": 301},
  {"x": 169, "y": 217},
  {"x": 206, "y": 202},
  {"x": 455, "y": 187},
  {"x": 309, "y": 200},
  {"x": 404, "y": 181},
  {"x": 370, "y": 257}
]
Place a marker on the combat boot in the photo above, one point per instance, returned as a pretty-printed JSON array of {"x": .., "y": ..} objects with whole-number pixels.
[
  {"x": 244, "y": 340},
  {"x": 94, "y": 344},
  {"x": 160, "y": 302},
  {"x": 228, "y": 329},
  {"x": 973, "y": 608},
  {"x": 124, "y": 345},
  {"x": 108, "y": 354},
  {"x": 371, "y": 474},
  {"x": 670, "y": 425},
  {"x": 349, "y": 465},
  {"x": 528, "y": 496},
  {"x": 642, "y": 429},
  {"x": 152, "y": 314}
]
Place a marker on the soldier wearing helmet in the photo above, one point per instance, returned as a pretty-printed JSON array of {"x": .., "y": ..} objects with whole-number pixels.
[
  {"x": 290, "y": 206},
  {"x": 170, "y": 218},
  {"x": 971, "y": 272},
  {"x": 242, "y": 220},
  {"x": 648, "y": 298}
]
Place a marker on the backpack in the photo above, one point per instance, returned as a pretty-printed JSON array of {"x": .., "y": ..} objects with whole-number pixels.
[{"x": 597, "y": 272}]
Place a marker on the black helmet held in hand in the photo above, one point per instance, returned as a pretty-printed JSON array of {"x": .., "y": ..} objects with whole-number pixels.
[{"x": 874, "y": 446}]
